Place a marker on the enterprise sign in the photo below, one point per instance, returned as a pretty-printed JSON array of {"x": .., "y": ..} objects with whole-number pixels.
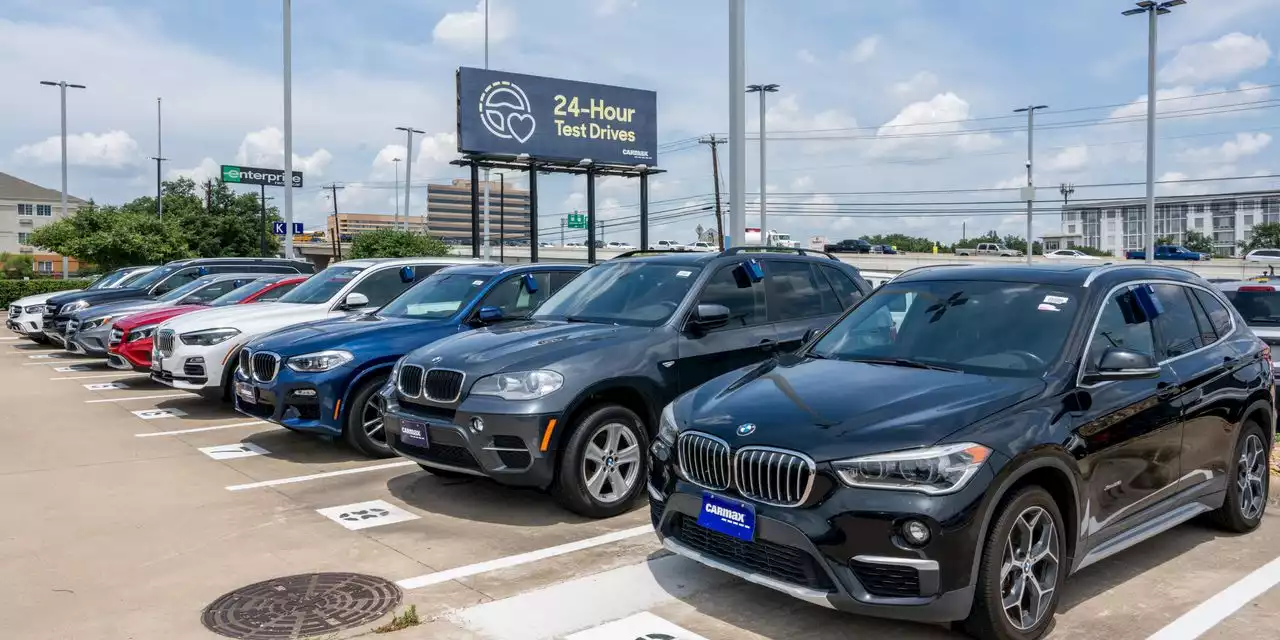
[
  {"x": 551, "y": 119},
  {"x": 257, "y": 175}
]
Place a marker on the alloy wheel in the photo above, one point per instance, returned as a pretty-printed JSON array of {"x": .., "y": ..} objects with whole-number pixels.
[
  {"x": 371, "y": 420},
  {"x": 1251, "y": 477},
  {"x": 1029, "y": 570},
  {"x": 611, "y": 462}
]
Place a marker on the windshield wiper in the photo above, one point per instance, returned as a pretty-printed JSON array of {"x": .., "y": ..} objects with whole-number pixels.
[
  {"x": 578, "y": 319},
  {"x": 906, "y": 362}
]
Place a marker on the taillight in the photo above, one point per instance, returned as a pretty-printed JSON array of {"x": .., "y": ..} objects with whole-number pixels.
[{"x": 1257, "y": 288}]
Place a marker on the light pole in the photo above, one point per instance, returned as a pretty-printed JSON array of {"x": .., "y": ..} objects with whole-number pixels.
[
  {"x": 397, "y": 198},
  {"x": 762, "y": 89},
  {"x": 159, "y": 158},
  {"x": 408, "y": 168},
  {"x": 62, "y": 86},
  {"x": 1154, "y": 10},
  {"x": 737, "y": 121},
  {"x": 288, "y": 129},
  {"x": 1029, "y": 194}
]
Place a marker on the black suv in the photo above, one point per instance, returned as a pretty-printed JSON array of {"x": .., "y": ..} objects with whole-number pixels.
[
  {"x": 172, "y": 275},
  {"x": 966, "y": 437},
  {"x": 569, "y": 400}
]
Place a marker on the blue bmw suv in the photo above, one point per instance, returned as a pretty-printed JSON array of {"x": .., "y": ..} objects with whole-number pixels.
[{"x": 330, "y": 371}]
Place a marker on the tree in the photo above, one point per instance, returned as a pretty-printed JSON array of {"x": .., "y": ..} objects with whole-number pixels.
[
  {"x": 394, "y": 243},
  {"x": 110, "y": 237},
  {"x": 1266, "y": 235},
  {"x": 903, "y": 242},
  {"x": 1200, "y": 242},
  {"x": 15, "y": 266},
  {"x": 232, "y": 226}
]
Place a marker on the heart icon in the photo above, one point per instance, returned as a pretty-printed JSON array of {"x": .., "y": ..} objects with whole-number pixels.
[{"x": 521, "y": 126}]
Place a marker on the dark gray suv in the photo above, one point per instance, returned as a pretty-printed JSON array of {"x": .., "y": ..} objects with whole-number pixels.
[{"x": 569, "y": 400}]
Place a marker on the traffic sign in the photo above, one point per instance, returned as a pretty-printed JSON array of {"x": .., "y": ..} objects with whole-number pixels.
[
  {"x": 279, "y": 227},
  {"x": 577, "y": 221}
]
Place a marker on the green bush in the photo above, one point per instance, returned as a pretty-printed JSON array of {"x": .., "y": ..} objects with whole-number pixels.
[
  {"x": 11, "y": 290},
  {"x": 393, "y": 243}
]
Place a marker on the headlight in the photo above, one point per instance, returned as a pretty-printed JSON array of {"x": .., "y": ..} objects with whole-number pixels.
[
  {"x": 934, "y": 470},
  {"x": 667, "y": 430},
  {"x": 518, "y": 385},
  {"x": 39, "y": 308},
  {"x": 141, "y": 333},
  {"x": 318, "y": 361},
  {"x": 73, "y": 306},
  {"x": 208, "y": 337},
  {"x": 95, "y": 323}
]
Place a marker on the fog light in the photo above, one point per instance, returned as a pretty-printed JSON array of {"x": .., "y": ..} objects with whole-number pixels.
[
  {"x": 195, "y": 360},
  {"x": 477, "y": 424},
  {"x": 305, "y": 393},
  {"x": 916, "y": 532}
]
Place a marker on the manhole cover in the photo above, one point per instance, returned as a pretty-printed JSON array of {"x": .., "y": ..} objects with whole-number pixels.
[{"x": 301, "y": 606}]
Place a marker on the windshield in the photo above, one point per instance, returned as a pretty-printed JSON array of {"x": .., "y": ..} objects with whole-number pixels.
[
  {"x": 132, "y": 278},
  {"x": 1259, "y": 306},
  {"x": 320, "y": 288},
  {"x": 110, "y": 279},
  {"x": 982, "y": 327},
  {"x": 152, "y": 277},
  {"x": 437, "y": 297},
  {"x": 631, "y": 293},
  {"x": 236, "y": 296},
  {"x": 185, "y": 290}
]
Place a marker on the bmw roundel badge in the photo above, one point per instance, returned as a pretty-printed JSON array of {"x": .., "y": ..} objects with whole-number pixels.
[{"x": 746, "y": 429}]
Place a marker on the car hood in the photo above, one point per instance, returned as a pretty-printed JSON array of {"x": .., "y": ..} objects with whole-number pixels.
[
  {"x": 40, "y": 298},
  {"x": 366, "y": 336},
  {"x": 833, "y": 409},
  {"x": 120, "y": 309},
  {"x": 263, "y": 316},
  {"x": 142, "y": 318},
  {"x": 529, "y": 345},
  {"x": 99, "y": 296}
]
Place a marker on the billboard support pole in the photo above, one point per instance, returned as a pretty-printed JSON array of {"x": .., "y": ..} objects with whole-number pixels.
[
  {"x": 288, "y": 130},
  {"x": 737, "y": 123},
  {"x": 533, "y": 212},
  {"x": 475, "y": 210},
  {"x": 644, "y": 210},
  {"x": 591, "y": 216}
]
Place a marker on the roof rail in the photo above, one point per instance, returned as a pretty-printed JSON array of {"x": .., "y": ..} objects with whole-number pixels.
[
  {"x": 770, "y": 249},
  {"x": 652, "y": 252},
  {"x": 934, "y": 266},
  {"x": 1108, "y": 267}
]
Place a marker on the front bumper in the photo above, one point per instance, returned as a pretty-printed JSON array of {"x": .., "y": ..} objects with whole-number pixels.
[
  {"x": 132, "y": 355},
  {"x": 508, "y": 449},
  {"x": 54, "y": 328},
  {"x": 27, "y": 324},
  {"x": 91, "y": 343},
  {"x": 842, "y": 550},
  {"x": 301, "y": 402},
  {"x": 191, "y": 367}
]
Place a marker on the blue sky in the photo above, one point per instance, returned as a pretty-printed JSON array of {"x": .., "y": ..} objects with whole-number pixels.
[{"x": 864, "y": 72}]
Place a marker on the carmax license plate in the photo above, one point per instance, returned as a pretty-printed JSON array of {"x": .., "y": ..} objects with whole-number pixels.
[
  {"x": 730, "y": 517},
  {"x": 414, "y": 433},
  {"x": 246, "y": 392}
]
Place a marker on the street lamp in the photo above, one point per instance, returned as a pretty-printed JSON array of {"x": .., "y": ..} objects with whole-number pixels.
[
  {"x": 397, "y": 198},
  {"x": 1152, "y": 9},
  {"x": 62, "y": 86},
  {"x": 408, "y": 168},
  {"x": 762, "y": 89},
  {"x": 1029, "y": 194}
]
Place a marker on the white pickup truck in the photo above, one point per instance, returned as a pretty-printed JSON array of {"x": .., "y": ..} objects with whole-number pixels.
[{"x": 988, "y": 249}]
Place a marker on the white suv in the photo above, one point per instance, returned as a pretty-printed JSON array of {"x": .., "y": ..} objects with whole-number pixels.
[
  {"x": 700, "y": 246},
  {"x": 192, "y": 351}
]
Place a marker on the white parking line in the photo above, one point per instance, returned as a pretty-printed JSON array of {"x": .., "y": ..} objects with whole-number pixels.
[
  {"x": 198, "y": 429},
  {"x": 523, "y": 558},
  {"x": 563, "y": 608},
  {"x": 155, "y": 397},
  {"x": 641, "y": 625},
  {"x": 62, "y": 362},
  {"x": 1209, "y": 613},
  {"x": 317, "y": 476},
  {"x": 12, "y": 338},
  {"x": 118, "y": 374}
]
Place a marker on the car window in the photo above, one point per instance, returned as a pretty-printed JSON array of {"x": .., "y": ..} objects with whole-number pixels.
[
  {"x": 319, "y": 288},
  {"x": 276, "y": 293},
  {"x": 437, "y": 297},
  {"x": 982, "y": 327},
  {"x": 181, "y": 277},
  {"x": 183, "y": 291},
  {"x": 1120, "y": 326},
  {"x": 629, "y": 292},
  {"x": 847, "y": 293},
  {"x": 381, "y": 286},
  {"x": 1208, "y": 335},
  {"x": 514, "y": 299},
  {"x": 240, "y": 294},
  {"x": 1259, "y": 305},
  {"x": 1219, "y": 317},
  {"x": 1179, "y": 333},
  {"x": 560, "y": 278},
  {"x": 731, "y": 287},
  {"x": 794, "y": 291},
  {"x": 424, "y": 271},
  {"x": 215, "y": 290}
]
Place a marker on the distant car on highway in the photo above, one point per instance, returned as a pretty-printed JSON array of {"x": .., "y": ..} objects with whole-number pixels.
[
  {"x": 1167, "y": 252},
  {"x": 700, "y": 246},
  {"x": 574, "y": 245},
  {"x": 667, "y": 245},
  {"x": 883, "y": 249},
  {"x": 988, "y": 249},
  {"x": 1069, "y": 254},
  {"x": 620, "y": 246},
  {"x": 546, "y": 245},
  {"x": 1263, "y": 255},
  {"x": 856, "y": 245}
]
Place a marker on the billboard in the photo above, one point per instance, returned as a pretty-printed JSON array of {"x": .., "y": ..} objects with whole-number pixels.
[
  {"x": 551, "y": 119},
  {"x": 258, "y": 176}
]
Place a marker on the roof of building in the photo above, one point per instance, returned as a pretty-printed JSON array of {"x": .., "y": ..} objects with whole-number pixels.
[{"x": 14, "y": 188}]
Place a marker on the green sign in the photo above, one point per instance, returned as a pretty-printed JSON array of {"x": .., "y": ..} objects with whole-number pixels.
[
  {"x": 258, "y": 176},
  {"x": 577, "y": 221}
]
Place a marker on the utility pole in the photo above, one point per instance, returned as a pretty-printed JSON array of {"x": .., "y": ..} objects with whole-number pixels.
[
  {"x": 288, "y": 128},
  {"x": 397, "y": 198},
  {"x": 562, "y": 232},
  {"x": 337, "y": 236},
  {"x": 1066, "y": 190},
  {"x": 408, "y": 169},
  {"x": 62, "y": 85},
  {"x": 1029, "y": 193},
  {"x": 1153, "y": 10},
  {"x": 737, "y": 123},
  {"x": 715, "y": 173},
  {"x": 208, "y": 196},
  {"x": 763, "y": 90},
  {"x": 159, "y": 157}
]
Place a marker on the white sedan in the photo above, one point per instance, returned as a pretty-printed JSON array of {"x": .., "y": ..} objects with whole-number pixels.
[
  {"x": 700, "y": 246},
  {"x": 1263, "y": 255},
  {"x": 1069, "y": 254},
  {"x": 619, "y": 246}
]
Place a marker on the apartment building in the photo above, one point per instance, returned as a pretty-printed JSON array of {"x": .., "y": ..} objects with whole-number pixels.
[
  {"x": 1120, "y": 225},
  {"x": 24, "y": 207}
]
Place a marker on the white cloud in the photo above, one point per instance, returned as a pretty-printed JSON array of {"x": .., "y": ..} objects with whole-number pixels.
[
  {"x": 864, "y": 50},
  {"x": 922, "y": 83},
  {"x": 110, "y": 150},
  {"x": 1222, "y": 59},
  {"x": 610, "y": 7},
  {"x": 1015, "y": 182},
  {"x": 265, "y": 148},
  {"x": 1187, "y": 98},
  {"x": 1184, "y": 189},
  {"x": 803, "y": 183},
  {"x": 1073, "y": 158},
  {"x": 465, "y": 29},
  {"x": 785, "y": 114},
  {"x": 930, "y": 126},
  {"x": 1244, "y": 144},
  {"x": 208, "y": 169},
  {"x": 806, "y": 56}
]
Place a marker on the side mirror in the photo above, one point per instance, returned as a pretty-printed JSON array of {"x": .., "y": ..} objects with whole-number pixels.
[
  {"x": 488, "y": 315},
  {"x": 1123, "y": 364},
  {"x": 355, "y": 301},
  {"x": 710, "y": 316},
  {"x": 406, "y": 274},
  {"x": 202, "y": 271},
  {"x": 809, "y": 335}
]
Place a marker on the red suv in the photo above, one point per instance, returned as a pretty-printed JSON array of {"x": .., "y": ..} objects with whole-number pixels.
[{"x": 129, "y": 346}]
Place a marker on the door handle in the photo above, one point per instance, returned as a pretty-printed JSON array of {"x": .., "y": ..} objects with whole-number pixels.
[
  {"x": 768, "y": 345},
  {"x": 1166, "y": 390}
]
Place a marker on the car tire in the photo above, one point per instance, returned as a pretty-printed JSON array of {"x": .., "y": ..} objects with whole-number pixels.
[
  {"x": 1030, "y": 510},
  {"x": 606, "y": 430},
  {"x": 1247, "y": 482},
  {"x": 360, "y": 430}
]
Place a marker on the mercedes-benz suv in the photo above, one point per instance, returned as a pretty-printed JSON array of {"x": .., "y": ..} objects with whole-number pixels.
[{"x": 966, "y": 437}]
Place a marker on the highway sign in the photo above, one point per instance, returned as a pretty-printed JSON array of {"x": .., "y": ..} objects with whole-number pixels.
[{"x": 577, "y": 221}]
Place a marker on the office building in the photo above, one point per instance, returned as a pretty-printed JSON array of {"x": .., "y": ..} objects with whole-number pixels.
[
  {"x": 350, "y": 224},
  {"x": 1120, "y": 225},
  {"x": 25, "y": 207},
  {"x": 449, "y": 211}
]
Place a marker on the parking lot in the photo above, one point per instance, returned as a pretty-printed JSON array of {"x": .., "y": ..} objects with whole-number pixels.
[{"x": 131, "y": 507}]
